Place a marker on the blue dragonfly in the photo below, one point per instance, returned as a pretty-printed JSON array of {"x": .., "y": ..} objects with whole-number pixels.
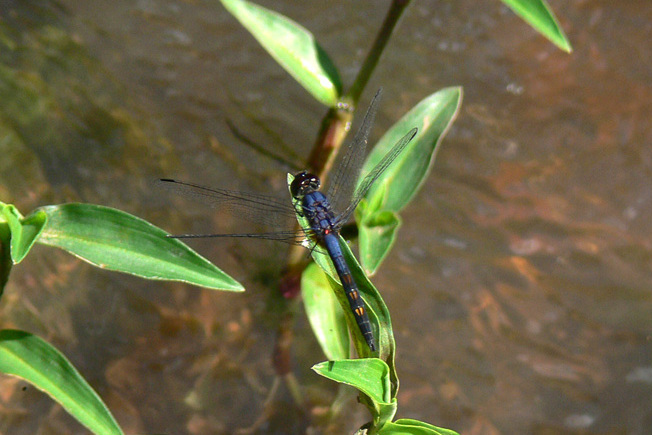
[{"x": 326, "y": 214}]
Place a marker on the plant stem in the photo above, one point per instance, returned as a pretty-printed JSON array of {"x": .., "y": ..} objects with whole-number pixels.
[
  {"x": 337, "y": 122},
  {"x": 333, "y": 131},
  {"x": 391, "y": 19}
]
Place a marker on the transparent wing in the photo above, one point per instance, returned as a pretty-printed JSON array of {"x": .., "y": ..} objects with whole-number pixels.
[
  {"x": 375, "y": 173},
  {"x": 290, "y": 237},
  {"x": 347, "y": 168},
  {"x": 261, "y": 209},
  {"x": 271, "y": 212}
]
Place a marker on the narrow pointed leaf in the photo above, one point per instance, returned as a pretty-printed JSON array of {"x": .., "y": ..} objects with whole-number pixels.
[
  {"x": 538, "y": 14},
  {"x": 401, "y": 181},
  {"x": 32, "y": 359},
  {"x": 293, "y": 47},
  {"x": 116, "y": 240}
]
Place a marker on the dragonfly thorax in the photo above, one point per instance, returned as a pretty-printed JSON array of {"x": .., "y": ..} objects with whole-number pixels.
[{"x": 303, "y": 184}]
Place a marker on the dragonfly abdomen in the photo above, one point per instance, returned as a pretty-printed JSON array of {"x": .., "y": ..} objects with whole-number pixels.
[{"x": 351, "y": 290}]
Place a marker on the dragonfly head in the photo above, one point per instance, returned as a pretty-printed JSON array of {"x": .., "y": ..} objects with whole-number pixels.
[{"x": 303, "y": 184}]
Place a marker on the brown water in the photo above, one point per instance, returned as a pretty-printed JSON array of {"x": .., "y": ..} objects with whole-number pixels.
[{"x": 520, "y": 287}]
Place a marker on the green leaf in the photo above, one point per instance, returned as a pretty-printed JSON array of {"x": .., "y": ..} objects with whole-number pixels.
[
  {"x": 538, "y": 14},
  {"x": 402, "y": 179},
  {"x": 324, "y": 313},
  {"x": 400, "y": 182},
  {"x": 24, "y": 231},
  {"x": 406, "y": 426},
  {"x": 32, "y": 227},
  {"x": 116, "y": 240},
  {"x": 369, "y": 375},
  {"x": 293, "y": 47},
  {"x": 28, "y": 357},
  {"x": 377, "y": 232}
]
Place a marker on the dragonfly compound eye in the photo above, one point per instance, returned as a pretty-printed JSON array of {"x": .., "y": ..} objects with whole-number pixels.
[{"x": 303, "y": 184}]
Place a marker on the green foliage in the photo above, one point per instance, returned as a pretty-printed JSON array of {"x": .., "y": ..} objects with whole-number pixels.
[
  {"x": 116, "y": 240},
  {"x": 34, "y": 360},
  {"x": 376, "y": 309},
  {"x": 378, "y": 219},
  {"x": 538, "y": 14},
  {"x": 17, "y": 235},
  {"x": 376, "y": 235},
  {"x": 293, "y": 47},
  {"x": 324, "y": 313},
  {"x": 372, "y": 377},
  {"x": 406, "y": 426},
  {"x": 24, "y": 231},
  {"x": 113, "y": 240}
]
